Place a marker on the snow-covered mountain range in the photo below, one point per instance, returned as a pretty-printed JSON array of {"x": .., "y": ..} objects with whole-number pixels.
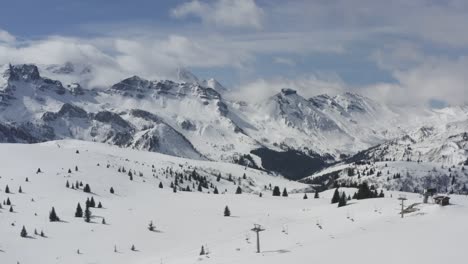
[{"x": 196, "y": 119}]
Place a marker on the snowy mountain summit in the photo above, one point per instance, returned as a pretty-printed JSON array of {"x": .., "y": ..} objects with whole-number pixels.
[{"x": 196, "y": 119}]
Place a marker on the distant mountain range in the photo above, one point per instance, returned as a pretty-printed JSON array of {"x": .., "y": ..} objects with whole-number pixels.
[{"x": 187, "y": 117}]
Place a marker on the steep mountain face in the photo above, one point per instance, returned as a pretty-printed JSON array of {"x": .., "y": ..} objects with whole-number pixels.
[
  {"x": 193, "y": 119},
  {"x": 446, "y": 144}
]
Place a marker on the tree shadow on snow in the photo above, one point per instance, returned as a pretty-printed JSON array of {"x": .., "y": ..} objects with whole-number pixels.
[{"x": 279, "y": 251}]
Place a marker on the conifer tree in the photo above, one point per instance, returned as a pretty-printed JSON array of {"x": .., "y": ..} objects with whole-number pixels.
[
  {"x": 92, "y": 203},
  {"x": 239, "y": 190},
  {"x": 24, "y": 233},
  {"x": 276, "y": 191},
  {"x": 20, "y": 190},
  {"x": 305, "y": 196},
  {"x": 87, "y": 215},
  {"x": 227, "y": 212},
  {"x": 151, "y": 226},
  {"x": 316, "y": 196},
  {"x": 342, "y": 201},
  {"x": 336, "y": 197},
  {"x": 381, "y": 195},
  {"x": 76, "y": 168},
  {"x": 42, "y": 234},
  {"x": 202, "y": 251},
  {"x": 67, "y": 185},
  {"x": 161, "y": 185},
  {"x": 8, "y": 202},
  {"x": 133, "y": 248},
  {"x": 99, "y": 205},
  {"x": 53, "y": 216},
  {"x": 11, "y": 209},
  {"x": 216, "y": 190},
  {"x": 69, "y": 171},
  {"x": 285, "y": 192},
  {"x": 130, "y": 174},
  {"x": 87, "y": 189},
  {"x": 38, "y": 170},
  {"x": 112, "y": 190},
  {"x": 219, "y": 177},
  {"x": 79, "y": 211},
  {"x": 103, "y": 221},
  {"x": 7, "y": 189}
]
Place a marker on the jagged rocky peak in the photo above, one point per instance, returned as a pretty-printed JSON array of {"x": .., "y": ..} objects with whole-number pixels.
[
  {"x": 353, "y": 102},
  {"x": 134, "y": 83},
  {"x": 67, "y": 110},
  {"x": 23, "y": 72},
  {"x": 215, "y": 85},
  {"x": 288, "y": 91}
]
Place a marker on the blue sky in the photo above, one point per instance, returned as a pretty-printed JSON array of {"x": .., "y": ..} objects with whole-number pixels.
[{"x": 404, "y": 52}]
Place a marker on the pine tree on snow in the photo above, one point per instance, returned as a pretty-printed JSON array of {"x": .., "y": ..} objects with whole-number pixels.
[
  {"x": 202, "y": 251},
  {"x": 53, "y": 216},
  {"x": 87, "y": 189},
  {"x": 336, "y": 197},
  {"x": 276, "y": 191},
  {"x": 239, "y": 190},
  {"x": 227, "y": 212},
  {"x": 316, "y": 196},
  {"x": 92, "y": 203},
  {"x": 285, "y": 193},
  {"x": 305, "y": 196},
  {"x": 7, "y": 189},
  {"x": 342, "y": 201},
  {"x": 79, "y": 211},
  {"x": 151, "y": 226},
  {"x": 24, "y": 233},
  {"x": 87, "y": 215}
]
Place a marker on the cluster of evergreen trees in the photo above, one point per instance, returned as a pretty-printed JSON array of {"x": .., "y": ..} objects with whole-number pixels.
[
  {"x": 364, "y": 192},
  {"x": 277, "y": 192}
]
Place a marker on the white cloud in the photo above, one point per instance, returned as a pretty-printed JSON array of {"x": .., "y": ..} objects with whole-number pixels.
[
  {"x": 224, "y": 13},
  {"x": 306, "y": 86},
  {"x": 432, "y": 78},
  {"x": 5, "y": 36}
]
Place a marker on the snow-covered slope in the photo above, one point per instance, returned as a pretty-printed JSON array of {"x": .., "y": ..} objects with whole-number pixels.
[{"x": 296, "y": 230}]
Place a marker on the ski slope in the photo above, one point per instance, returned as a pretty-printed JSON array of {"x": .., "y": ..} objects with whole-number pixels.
[{"x": 365, "y": 231}]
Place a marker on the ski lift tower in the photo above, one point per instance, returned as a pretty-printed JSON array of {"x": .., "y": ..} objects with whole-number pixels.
[
  {"x": 402, "y": 198},
  {"x": 257, "y": 229}
]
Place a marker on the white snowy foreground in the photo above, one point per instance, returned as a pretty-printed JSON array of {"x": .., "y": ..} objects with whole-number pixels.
[{"x": 297, "y": 230}]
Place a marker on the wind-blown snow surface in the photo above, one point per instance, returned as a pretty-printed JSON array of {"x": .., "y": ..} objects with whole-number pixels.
[{"x": 366, "y": 231}]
